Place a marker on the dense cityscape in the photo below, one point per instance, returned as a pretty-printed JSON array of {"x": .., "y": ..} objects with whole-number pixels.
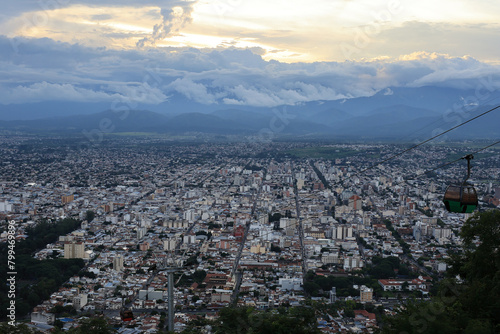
[
  {"x": 259, "y": 225},
  {"x": 250, "y": 167}
]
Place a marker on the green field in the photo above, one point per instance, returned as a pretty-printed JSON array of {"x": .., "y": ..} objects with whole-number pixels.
[
  {"x": 329, "y": 153},
  {"x": 135, "y": 134}
]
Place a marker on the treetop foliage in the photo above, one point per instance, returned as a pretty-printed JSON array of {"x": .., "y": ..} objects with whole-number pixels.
[{"x": 469, "y": 299}]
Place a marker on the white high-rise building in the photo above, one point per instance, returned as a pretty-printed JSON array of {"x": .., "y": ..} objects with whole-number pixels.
[
  {"x": 190, "y": 215},
  {"x": 365, "y": 294},
  {"x": 80, "y": 301},
  {"x": 340, "y": 232},
  {"x": 333, "y": 295},
  {"x": 141, "y": 232},
  {"x": 74, "y": 250},
  {"x": 118, "y": 263},
  {"x": 169, "y": 244},
  {"x": 348, "y": 232}
]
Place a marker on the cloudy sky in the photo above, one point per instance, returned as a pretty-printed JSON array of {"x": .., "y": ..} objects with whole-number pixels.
[{"x": 241, "y": 52}]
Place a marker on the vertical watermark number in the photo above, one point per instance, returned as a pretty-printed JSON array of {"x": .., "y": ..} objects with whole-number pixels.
[{"x": 11, "y": 272}]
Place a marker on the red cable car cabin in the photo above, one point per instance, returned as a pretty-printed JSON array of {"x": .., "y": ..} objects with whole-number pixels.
[{"x": 461, "y": 198}]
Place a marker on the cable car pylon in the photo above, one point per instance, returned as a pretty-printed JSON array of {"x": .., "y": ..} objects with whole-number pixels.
[{"x": 170, "y": 265}]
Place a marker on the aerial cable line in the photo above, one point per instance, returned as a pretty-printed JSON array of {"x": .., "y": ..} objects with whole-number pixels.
[
  {"x": 401, "y": 153},
  {"x": 398, "y": 154},
  {"x": 293, "y": 225},
  {"x": 417, "y": 176},
  {"x": 455, "y": 111},
  {"x": 456, "y": 160},
  {"x": 424, "y": 142}
]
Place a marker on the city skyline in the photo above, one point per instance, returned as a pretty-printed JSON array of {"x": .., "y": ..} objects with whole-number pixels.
[
  {"x": 262, "y": 226},
  {"x": 250, "y": 166}
]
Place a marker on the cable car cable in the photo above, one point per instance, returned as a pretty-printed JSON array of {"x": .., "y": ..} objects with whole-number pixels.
[
  {"x": 439, "y": 120},
  {"x": 293, "y": 225},
  {"x": 426, "y": 172},
  {"x": 425, "y": 141},
  {"x": 456, "y": 160}
]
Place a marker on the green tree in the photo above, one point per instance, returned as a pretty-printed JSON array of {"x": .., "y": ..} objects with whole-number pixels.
[
  {"x": 470, "y": 304},
  {"x": 294, "y": 320},
  {"x": 58, "y": 323},
  {"x": 196, "y": 325},
  {"x": 96, "y": 325},
  {"x": 5, "y": 328},
  {"x": 312, "y": 288},
  {"x": 274, "y": 217},
  {"x": 199, "y": 276},
  {"x": 275, "y": 248},
  {"x": 420, "y": 317},
  {"x": 89, "y": 216},
  {"x": 479, "y": 266}
]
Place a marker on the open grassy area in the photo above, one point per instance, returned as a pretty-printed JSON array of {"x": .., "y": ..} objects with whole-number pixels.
[
  {"x": 135, "y": 134},
  {"x": 327, "y": 152}
]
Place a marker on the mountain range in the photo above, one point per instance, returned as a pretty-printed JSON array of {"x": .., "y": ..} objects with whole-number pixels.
[{"x": 394, "y": 113}]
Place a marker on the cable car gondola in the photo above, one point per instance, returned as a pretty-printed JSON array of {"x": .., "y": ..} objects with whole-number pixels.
[{"x": 461, "y": 198}]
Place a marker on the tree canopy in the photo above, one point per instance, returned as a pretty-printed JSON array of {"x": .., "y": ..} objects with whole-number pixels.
[
  {"x": 292, "y": 320},
  {"x": 469, "y": 299}
]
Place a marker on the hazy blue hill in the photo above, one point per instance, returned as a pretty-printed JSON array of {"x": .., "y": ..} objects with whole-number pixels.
[
  {"x": 129, "y": 121},
  {"x": 230, "y": 122},
  {"x": 329, "y": 117},
  {"x": 178, "y": 104},
  {"x": 433, "y": 98},
  {"x": 235, "y": 121},
  {"x": 382, "y": 121},
  {"x": 417, "y": 124},
  {"x": 28, "y": 111},
  {"x": 126, "y": 120},
  {"x": 106, "y": 121},
  {"x": 398, "y": 113},
  {"x": 438, "y": 99},
  {"x": 251, "y": 119},
  {"x": 299, "y": 127},
  {"x": 407, "y": 130},
  {"x": 237, "y": 114},
  {"x": 40, "y": 110},
  {"x": 422, "y": 99},
  {"x": 197, "y": 122},
  {"x": 487, "y": 126},
  {"x": 401, "y": 113}
]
